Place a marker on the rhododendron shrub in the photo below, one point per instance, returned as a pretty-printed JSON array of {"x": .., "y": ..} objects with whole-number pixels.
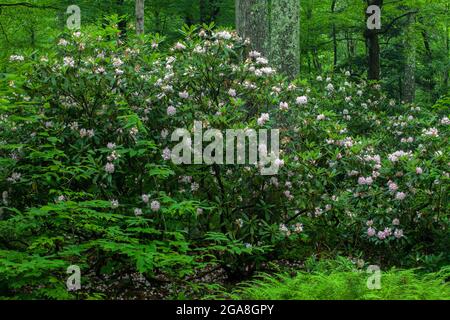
[{"x": 87, "y": 176}]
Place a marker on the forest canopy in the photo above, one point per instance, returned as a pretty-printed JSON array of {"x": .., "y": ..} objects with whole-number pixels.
[{"x": 332, "y": 34}]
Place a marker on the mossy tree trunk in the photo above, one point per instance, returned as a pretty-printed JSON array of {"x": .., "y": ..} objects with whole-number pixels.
[
  {"x": 140, "y": 6},
  {"x": 252, "y": 22},
  {"x": 285, "y": 36},
  {"x": 273, "y": 28},
  {"x": 409, "y": 53}
]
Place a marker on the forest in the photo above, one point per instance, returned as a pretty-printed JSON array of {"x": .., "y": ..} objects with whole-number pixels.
[{"x": 224, "y": 150}]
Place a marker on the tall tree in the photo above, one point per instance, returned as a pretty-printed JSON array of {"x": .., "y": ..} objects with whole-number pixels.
[
  {"x": 409, "y": 68},
  {"x": 373, "y": 45},
  {"x": 140, "y": 6},
  {"x": 252, "y": 22},
  {"x": 123, "y": 22},
  {"x": 273, "y": 28},
  {"x": 285, "y": 36},
  {"x": 209, "y": 10},
  {"x": 335, "y": 45}
]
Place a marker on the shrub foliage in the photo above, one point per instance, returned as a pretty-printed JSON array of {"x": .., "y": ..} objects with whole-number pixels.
[{"x": 86, "y": 176}]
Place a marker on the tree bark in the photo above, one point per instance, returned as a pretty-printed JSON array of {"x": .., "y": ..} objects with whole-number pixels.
[
  {"x": 447, "y": 45},
  {"x": 285, "y": 36},
  {"x": 429, "y": 77},
  {"x": 374, "y": 71},
  {"x": 373, "y": 46},
  {"x": 252, "y": 22},
  {"x": 409, "y": 53},
  {"x": 123, "y": 22},
  {"x": 335, "y": 45},
  {"x": 273, "y": 28},
  {"x": 140, "y": 11}
]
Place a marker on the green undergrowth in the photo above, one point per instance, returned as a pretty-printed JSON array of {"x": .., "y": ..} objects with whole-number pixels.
[{"x": 346, "y": 284}]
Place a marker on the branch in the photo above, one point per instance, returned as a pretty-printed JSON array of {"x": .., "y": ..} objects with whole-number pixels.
[
  {"x": 391, "y": 24},
  {"x": 296, "y": 215},
  {"x": 28, "y": 5},
  {"x": 320, "y": 44}
]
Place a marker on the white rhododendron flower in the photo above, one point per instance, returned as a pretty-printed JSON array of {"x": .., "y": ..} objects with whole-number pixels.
[
  {"x": 16, "y": 58},
  {"x": 171, "y": 111},
  {"x": 155, "y": 206},
  {"x": 284, "y": 106},
  {"x": 263, "y": 119},
  {"x": 69, "y": 62},
  {"x": 302, "y": 100}
]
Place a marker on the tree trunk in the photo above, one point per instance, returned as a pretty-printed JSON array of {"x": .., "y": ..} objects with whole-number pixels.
[
  {"x": 215, "y": 10},
  {"x": 429, "y": 77},
  {"x": 374, "y": 56},
  {"x": 285, "y": 36},
  {"x": 409, "y": 87},
  {"x": 374, "y": 68},
  {"x": 203, "y": 11},
  {"x": 209, "y": 10},
  {"x": 335, "y": 45},
  {"x": 447, "y": 45},
  {"x": 252, "y": 22},
  {"x": 123, "y": 22},
  {"x": 140, "y": 6},
  {"x": 33, "y": 36},
  {"x": 273, "y": 28}
]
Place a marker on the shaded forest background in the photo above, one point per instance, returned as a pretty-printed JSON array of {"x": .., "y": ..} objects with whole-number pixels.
[{"x": 414, "y": 39}]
